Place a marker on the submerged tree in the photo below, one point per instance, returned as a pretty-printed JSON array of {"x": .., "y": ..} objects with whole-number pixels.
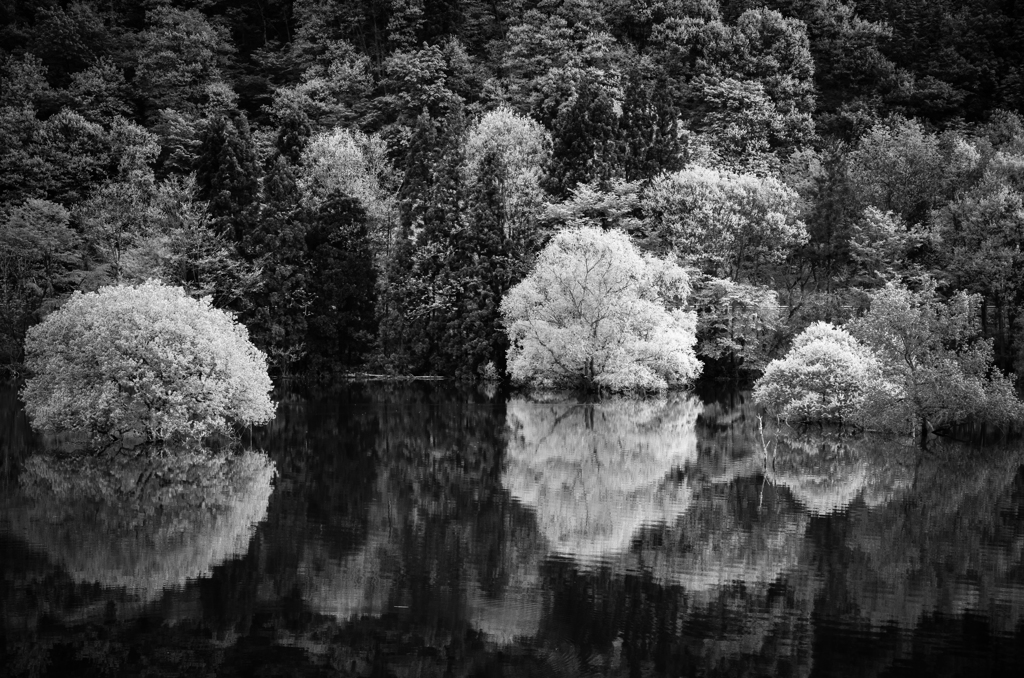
[{"x": 596, "y": 314}]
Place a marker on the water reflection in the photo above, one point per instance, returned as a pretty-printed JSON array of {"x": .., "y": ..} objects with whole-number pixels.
[
  {"x": 828, "y": 471},
  {"x": 139, "y": 522},
  {"x": 424, "y": 530},
  {"x": 597, "y": 472},
  {"x": 952, "y": 544}
]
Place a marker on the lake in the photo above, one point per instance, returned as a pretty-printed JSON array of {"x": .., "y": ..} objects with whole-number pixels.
[{"x": 429, "y": 530}]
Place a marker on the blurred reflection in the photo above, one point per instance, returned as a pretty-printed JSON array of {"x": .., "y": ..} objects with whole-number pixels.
[
  {"x": 596, "y": 472},
  {"x": 357, "y": 584},
  {"x": 952, "y": 544},
  {"x": 420, "y": 529},
  {"x": 145, "y": 522},
  {"x": 745, "y": 532}
]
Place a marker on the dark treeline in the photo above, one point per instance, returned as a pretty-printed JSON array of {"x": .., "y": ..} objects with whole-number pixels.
[{"x": 362, "y": 182}]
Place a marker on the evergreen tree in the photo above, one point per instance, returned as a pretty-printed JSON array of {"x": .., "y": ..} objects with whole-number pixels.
[
  {"x": 342, "y": 284},
  {"x": 293, "y": 134},
  {"x": 585, "y": 140},
  {"x": 423, "y": 294},
  {"x": 481, "y": 271},
  {"x": 228, "y": 174},
  {"x": 648, "y": 130},
  {"x": 277, "y": 242}
]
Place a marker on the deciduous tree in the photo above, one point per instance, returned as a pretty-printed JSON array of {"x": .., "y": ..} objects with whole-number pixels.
[
  {"x": 145, "y": 360},
  {"x": 596, "y": 314}
]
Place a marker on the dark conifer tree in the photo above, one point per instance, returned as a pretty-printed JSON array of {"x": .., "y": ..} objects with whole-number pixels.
[
  {"x": 228, "y": 174},
  {"x": 648, "y": 130},
  {"x": 293, "y": 135},
  {"x": 423, "y": 294},
  {"x": 342, "y": 285},
  {"x": 585, "y": 143},
  {"x": 277, "y": 242},
  {"x": 481, "y": 271},
  {"x": 395, "y": 337}
]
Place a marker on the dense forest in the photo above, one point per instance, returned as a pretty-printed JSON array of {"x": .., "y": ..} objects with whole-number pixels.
[{"x": 362, "y": 181}]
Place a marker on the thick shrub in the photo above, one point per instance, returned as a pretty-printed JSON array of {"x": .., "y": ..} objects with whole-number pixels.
[
  {"x": 826, "y": 376},
  {"x": 144, "y": 360}
]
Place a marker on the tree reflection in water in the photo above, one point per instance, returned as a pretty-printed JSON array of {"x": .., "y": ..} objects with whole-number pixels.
[
  {"x": 424, "y": 530},
  {"x": 142, "y": 522},
  {"x": 596, "y": 472},
  {"x": 828, "y": 471}
]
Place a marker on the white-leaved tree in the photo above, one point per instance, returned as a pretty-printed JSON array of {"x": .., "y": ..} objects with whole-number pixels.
[
  {"x": 357, "y": 165},
  {"x": 728, "y": 225},
  {"x": 597, "y": 314},
  {"x": 826, "y": 376},
  {"x": 144, "y": 361},
  {"x": 932, "y": 349},
  {"x": 522, "y": 147}
]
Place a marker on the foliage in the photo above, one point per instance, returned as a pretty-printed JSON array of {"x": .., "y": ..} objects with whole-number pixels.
[
  {"x": 929, "y": 348},
  {"x": 424, "y": 292},
  {"x": 897, "y": 167},
  {"x": 484, "y": 264},
  {"x": 584, "y": 147},
  {"x": 355, "y": 164},
  {"x": 737, "y": 324},
  {"x": 729, "y": 225},
  {"x": 521, "y": 146},
  {"x": 597, "y": 314},
  {"x": 812, "y": 148},
  {"x": 341, "y": 322},
  {"x": 616, "y": 205},
  {"x": 228, "y": 175},
  {"x": 179, "y": 54},
  {"x": 827, "y": 376},
  {"x": 181, "y": 247},
  {"x": 144, "y": 360}
]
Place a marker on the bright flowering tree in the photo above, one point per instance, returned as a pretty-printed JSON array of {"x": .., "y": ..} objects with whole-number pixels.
[
  {"x": 144, "y": 360},
  {"x": 597, "y": 314},
  {"x": 826, "y": 376}
]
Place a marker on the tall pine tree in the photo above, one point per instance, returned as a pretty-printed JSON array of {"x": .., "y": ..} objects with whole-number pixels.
[
  {"x": 277, "y": 244},
  {"x": 648, "y": 129},
  {"x": 585, "y": 143},
  {"x": 228, "y": 174},
  {"x": 342, "y": 285},
  {"x": 422, "y": 296},
  {"x": 481, "y": 270}
]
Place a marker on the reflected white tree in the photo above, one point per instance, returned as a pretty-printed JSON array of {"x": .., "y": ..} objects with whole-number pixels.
[
  {"x": 743, "y": 532},
  {"x": 826, "y": 472},
  {"x": 596, "y": 472},
  {"x": 146, "y": 523}
]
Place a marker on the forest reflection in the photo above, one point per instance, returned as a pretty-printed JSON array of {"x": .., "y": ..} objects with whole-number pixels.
[{"x": 419, "y": 529}]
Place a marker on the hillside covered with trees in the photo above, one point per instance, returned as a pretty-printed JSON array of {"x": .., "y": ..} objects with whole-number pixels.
[{"x": 362, "y": 182}]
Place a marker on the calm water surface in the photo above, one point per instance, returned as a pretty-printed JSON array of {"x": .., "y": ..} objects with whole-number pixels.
[{"x": 425, "y": 530}]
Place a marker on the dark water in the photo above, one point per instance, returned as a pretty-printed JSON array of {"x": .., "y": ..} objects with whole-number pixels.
[{"x": 424, "y": 530}]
